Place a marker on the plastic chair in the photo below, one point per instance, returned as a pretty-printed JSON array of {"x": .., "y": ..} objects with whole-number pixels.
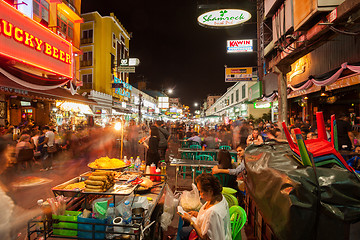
[
  {"x": 206, "y": 158},
  {"x": 229, "y": 194},
  {"x": 185, "y": 144},
  {"x": 226, "y": 180},
  {"x": 225, "y": 147},
  {"x": 237, "y": 221},
  {"x": 231, "y": 199},
  {"x": 195, "y": 147}
]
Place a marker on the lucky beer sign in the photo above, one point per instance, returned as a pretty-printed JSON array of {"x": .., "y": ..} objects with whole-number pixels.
[{"x": 26, "y": 41}]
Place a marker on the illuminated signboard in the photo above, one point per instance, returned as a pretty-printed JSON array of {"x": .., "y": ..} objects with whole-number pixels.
[
  {"x": 236, "y": 46},
  {"x": 238, "y": 74},
  {"x": 259, "y": 105},
  {"x": 223, "y": 18},
  {"x": 27, "y": 41},
  {"x": 124, "y": 90}
]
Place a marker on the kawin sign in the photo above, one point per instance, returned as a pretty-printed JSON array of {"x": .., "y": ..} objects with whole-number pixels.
[
  {"x": 26, "y": 41},
  {"x": 223, "y": 18}
]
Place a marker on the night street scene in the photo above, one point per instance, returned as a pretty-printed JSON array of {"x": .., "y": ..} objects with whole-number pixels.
[{"x": 173, "y": 120}]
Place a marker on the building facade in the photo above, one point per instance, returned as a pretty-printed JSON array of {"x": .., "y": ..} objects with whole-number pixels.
[
  {"x": 104, "y": 42},
  {"x": 39, "y": 54}
]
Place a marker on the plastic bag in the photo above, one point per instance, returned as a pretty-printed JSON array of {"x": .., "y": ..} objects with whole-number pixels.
[
  {"x": 190, "y": 201},
  {"x": 170, "y": 204}
]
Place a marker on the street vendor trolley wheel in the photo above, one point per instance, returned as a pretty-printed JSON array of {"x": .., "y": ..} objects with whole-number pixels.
[{"x": 156, "y": 230}]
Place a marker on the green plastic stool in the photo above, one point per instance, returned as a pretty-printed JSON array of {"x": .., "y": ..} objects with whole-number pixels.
[
  {"x": 237, "y": 221},
  {"x": 225, "y": 147}
]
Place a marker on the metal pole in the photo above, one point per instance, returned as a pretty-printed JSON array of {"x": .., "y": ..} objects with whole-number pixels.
[{"x": 122, "y": 139}]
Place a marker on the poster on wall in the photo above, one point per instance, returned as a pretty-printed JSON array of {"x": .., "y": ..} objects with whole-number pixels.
[{"x": 3, "y": 110}]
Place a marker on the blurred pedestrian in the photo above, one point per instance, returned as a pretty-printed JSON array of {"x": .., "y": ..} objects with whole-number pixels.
[
  {"x": 12, "y": 217},
  {"x": 152, "y": 155}
]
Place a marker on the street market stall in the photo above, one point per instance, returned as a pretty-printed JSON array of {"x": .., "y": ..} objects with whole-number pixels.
[{"x": 88, "y": 199}]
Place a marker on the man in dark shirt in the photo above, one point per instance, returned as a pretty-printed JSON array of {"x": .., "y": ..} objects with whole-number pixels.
[{"x": 345, "y": 136}]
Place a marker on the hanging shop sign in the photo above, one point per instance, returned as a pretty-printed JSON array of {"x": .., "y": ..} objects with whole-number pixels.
[
  {"x": 126, "y": 69},
  {"x": 128, "y": 62},
  {"x": 26, "y": 41},
  {"x": 223, "y": 18},
  {"x": 237, "y": 46},
  {"x": 122, "y": 88},
  {"x": 238, "y": 74}
]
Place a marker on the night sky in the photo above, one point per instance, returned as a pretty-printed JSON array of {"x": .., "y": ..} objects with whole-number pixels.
[{"x": 174, "y": 51}]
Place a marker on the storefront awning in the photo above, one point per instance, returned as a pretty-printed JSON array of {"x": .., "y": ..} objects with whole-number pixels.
[
  {"x": 122, "y": 110},
  {"x": 10, "y": 87}
]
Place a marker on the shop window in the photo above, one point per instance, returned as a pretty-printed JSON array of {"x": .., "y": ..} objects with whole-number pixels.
[
  {"x": 87, "y": 36},
  {"x": 243, "y": 89},
  {"x": 65, "y": 26},
  {"x": 41, "y": 9},
  {"x": 112, "y": 63},
  {"x": 87, "y": 81},
  {"x": 114, "y": 40},
  {"x": 87, "y": 59},
  {"x": 237, "y": 95},
  {"x": 27, "y": 114}
]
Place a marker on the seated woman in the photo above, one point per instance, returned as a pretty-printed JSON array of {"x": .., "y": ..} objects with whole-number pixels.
[
  {"x": 240, "y": 159},
  {"x": 213, "y": 219},
  {"x": 25, "y": 142}
]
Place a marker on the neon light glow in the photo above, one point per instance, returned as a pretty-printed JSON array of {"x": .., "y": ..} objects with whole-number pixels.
[{"x": 27, "y": 41}]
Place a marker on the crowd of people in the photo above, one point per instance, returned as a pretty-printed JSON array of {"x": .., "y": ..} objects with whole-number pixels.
[{"x": 31, "y": 144}]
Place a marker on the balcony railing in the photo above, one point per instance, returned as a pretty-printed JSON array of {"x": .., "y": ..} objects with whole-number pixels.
[
  {"x": 86, "y": 40},
  {"x": 85, "y": 63}
]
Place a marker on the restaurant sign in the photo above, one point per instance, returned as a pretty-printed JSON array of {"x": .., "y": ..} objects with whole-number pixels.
[
  {"x": 223, "y": 18},
  {"x": 26, "y": 41}
]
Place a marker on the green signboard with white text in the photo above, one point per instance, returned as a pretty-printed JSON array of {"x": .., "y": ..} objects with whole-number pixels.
[{"x": 255, "y": 91}]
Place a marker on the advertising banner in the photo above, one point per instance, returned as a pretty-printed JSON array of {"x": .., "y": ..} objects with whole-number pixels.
[
  {"x": 238, "y": 74},
  {"x": 238, "y": 46}
]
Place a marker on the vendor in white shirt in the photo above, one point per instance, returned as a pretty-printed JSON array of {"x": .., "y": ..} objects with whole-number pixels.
[{"x": 213, "y": 219}]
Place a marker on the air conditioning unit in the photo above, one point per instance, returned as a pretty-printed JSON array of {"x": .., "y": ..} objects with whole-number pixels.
[
  {"x": 282, "y": 20},
  {"x": 305, "y": 10}
]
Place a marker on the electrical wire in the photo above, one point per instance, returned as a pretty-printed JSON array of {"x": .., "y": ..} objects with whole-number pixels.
[{"x": 344, "y": 32}]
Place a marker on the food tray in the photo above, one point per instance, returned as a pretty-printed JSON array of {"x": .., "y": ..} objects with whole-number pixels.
[
  {"x": 125, "y": 176},
  {"x": 59, "y": 189},
  {"x": 113, "y": 190}
]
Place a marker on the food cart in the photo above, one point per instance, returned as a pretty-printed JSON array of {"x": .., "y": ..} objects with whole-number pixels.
[{"x": 145, "y": 224}]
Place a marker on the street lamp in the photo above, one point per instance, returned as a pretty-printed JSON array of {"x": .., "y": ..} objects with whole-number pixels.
[
  {"x": 170, "y": 91},
  {"x": 196, "y": 104}
]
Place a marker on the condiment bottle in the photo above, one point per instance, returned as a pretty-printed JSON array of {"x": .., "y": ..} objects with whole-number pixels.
[
  {"x": 158, "y": 178},
  {"x": 147, "y": 169},
  {"x": 152, "y": 171}
]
